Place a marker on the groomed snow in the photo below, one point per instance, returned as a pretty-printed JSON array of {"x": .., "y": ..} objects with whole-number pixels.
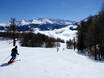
[{"x": 48, "y": 63}]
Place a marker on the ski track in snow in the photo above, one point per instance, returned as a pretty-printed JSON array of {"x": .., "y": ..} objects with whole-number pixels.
[{"x": 48, "y": 63}]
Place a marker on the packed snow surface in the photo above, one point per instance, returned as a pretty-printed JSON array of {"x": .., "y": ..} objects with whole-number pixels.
[{"x": 48, "y": 63}]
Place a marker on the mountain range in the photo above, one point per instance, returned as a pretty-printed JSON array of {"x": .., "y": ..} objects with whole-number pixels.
[{"x": 52, "y": 27}]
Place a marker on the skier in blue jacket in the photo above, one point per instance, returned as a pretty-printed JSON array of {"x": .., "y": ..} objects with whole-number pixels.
[{"x": 14, "y": 52}]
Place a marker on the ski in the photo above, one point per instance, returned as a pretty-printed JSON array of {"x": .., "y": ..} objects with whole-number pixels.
[{"x": 7, "y": 64}]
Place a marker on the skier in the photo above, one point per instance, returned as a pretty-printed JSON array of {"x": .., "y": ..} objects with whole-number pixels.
[{"x": 14, "y": 52}]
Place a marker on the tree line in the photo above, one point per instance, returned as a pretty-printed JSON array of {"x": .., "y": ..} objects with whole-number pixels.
[
  {"x": 91, "y": 36},
  {"x": 30, "y": 39}
]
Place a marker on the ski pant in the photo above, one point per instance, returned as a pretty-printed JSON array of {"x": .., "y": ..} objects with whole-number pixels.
[{"x": 12, "y": 59}]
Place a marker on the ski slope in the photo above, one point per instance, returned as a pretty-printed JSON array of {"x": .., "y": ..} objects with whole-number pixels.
[
  {"x": 48, "y": 63},
  {"x": 63, "y": 33}
]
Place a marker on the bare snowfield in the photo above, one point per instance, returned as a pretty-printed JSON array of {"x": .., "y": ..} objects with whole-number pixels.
[{"x": 48, "y": 63}]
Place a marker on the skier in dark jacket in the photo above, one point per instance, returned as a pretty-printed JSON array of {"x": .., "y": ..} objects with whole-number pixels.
[{"x": 14, "y": 52}]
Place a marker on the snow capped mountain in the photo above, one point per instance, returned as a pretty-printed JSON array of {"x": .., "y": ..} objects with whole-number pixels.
[
  {"x": 56, "y": 28},
  {"x": 45, "y": 21},
  {"x": 34, "y": 21},
  {"x": 40, "y": 21},
  {"x": 23, "y": 22}
]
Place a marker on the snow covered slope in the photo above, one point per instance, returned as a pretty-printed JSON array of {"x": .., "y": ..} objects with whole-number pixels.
[
  {"x": 63, "y": 33},
  {"x": 47, "y": 63}
]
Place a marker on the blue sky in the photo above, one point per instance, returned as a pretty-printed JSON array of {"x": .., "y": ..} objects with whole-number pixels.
[{"x": 64, "y": 9}]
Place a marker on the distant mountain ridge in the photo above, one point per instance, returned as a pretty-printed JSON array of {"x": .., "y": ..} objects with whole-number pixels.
[
  {"x": 55, "y": 28},
  {"x": 45, "y": 21},
  {"x": 40, "y": 23}
]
